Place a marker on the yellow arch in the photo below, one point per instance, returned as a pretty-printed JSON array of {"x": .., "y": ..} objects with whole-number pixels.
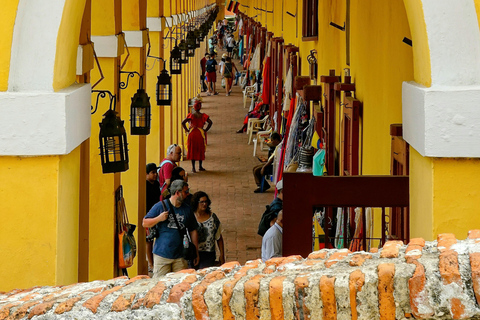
[
  {"x": 67, "y": 43},
  {"x": 7, "y": 22},
  {"x": 421, "y": 49}
]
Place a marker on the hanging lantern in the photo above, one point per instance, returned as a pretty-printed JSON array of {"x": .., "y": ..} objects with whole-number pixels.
[
  {"x": 140, "y": 113},
  {"x": 164, "y": 89},
  {"x": 175, "y": 60},
  {"x": 113, "y": 143},
  {"x": 198, "y": 37},
  {"x": 183, "y": 50},
  {"x": 191, "y": 42}
]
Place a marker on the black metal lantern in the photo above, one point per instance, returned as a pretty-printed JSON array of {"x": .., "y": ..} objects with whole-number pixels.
[
  {"x": 140, "y": 113},
  {"x": 198, "y": 38},
  {"x": 191, "y": 42},
  {"x": 175, "y": 58},
  {"x": 164, "y": 88},
  {"x": 113, "y": 143},
  {"x": 183, "y": 50}
]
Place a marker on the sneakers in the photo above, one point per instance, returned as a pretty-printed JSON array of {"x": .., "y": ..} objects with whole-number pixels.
[
  {"x": 215, "y": 94},
  {"x": 259, "y": 189},
  {"x": 227, "y": 94}
]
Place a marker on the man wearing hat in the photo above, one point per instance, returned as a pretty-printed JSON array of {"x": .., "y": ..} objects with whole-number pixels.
[{"x": 153, "y": 196}]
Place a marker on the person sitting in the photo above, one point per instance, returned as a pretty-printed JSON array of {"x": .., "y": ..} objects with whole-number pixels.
[
  {"x": 262, "y": 170},
  {"x": 272, "y": 240},
  {"x": 271, "y": 212},
  {"x": 257, "y": 113}
]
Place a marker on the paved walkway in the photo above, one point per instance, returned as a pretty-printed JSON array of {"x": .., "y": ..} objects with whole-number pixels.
[{"x": 229, "y": 180}]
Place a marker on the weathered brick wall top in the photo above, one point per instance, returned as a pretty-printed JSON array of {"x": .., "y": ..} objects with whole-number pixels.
[{"x": 439, "y": 279}]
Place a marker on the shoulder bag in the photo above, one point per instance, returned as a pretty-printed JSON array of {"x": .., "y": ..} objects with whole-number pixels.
[{"x": 189, "y": 249}]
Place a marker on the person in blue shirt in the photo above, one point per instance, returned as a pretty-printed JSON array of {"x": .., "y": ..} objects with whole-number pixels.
[
  {"x": 168, "y": 247},
  {"x": 272, "y": 240}
]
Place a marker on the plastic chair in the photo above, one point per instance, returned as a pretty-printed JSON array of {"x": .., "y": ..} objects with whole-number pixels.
[
  {"x": 255, "y": 125},
  {"x": 262, "y": 136},
  {"x": 248, "y": 92}
]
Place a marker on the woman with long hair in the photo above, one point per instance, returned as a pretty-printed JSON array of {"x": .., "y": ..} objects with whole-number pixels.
[
  {"x": 196, "y": 141},
  {"x": 209, "y": 231},
  {"x": 228, "y": 72}
]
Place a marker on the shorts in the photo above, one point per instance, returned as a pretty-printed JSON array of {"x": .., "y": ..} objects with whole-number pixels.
[
  {"x": 229, "y": 49},
  {"x": 212, "y": 76}
]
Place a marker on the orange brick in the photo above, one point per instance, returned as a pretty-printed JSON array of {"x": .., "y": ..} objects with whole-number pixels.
[
  {"x": 448, "y": 267},
  {"x": 139, "y": 277},
  {"x": 373, "y": 250},
  {"x": 41, "y": 308},
  {"x": 445, "y": 241},
  {"x": 230, "y": 265},
  {"x": 386, "y": 301},
  {"x": 154, "y": 295},
  {"x": 67, "y": 305},
  {"x": 138, "y": 304},
  {"x": 5, "y": 310},
  {"x": 327, "y": 294},
  {"x": 336, "y": 257},
  {"x": 457, "y": 309},
  {"x": 198, "y": 303},
  {"x": 190, "y": 271},
  {"x": 22, "y": 310},
  {"x": 177, "y": 291},
  {"x": 416, "y": 286},
  {"x": 417, "y": 242},
  {"x": 390, "y": 249},
  {"x": 229, "y": 285},
  {"x": 123, "y": 302},
  {"x": 475, "y": 266},
  {"x": 276, "y": 297},
  {"x": 317, "y": 255},
  {"x": 251, "y": 288},
  {"x": 93, "y": 303},
  {"x": 355, "y": 284},
  {"x": 302, "y": 312},
  {"x": 474, "y": 234},
  {"x": 358, "y": 259}
]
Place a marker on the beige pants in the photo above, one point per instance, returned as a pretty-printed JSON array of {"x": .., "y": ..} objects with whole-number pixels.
[{"x": 162, "y": 266}]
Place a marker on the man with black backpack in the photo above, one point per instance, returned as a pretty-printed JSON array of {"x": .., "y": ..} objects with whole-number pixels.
[
  {"x": 211, "y": 69},
  {"x": 270, "y": 215}
]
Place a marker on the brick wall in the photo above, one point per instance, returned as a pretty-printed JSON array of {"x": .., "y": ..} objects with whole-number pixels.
[{"x": 439, "y": 279}]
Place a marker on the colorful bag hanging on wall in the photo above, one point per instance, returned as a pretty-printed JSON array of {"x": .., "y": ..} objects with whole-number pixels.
[{"x": 127, "y": 248}]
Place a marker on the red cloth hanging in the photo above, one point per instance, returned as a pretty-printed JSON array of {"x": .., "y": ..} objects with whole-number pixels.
[
  {"x": 285, "y": 139},
  {"x": 266, "y": 94}
]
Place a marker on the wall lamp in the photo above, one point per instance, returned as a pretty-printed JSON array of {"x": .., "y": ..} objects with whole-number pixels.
[
  {"x": 140, "y": 109},
  {"x": 312, "y": 61},
  {"x": 112, "y": 137}
]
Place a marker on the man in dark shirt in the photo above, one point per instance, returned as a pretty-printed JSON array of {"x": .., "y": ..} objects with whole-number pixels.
[
  {"x": 203, "y": 62},
  {"x": 153, "y": 196},
  {"x": 262, "y": 170}
]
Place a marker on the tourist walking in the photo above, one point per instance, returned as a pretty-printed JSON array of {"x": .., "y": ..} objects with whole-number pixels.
[
  {"x": 196, "y": 142},
  {"x": 209, "y": 231}
]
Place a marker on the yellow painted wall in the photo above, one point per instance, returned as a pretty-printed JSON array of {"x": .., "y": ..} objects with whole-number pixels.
[
  {"x": 67, "y": 44},
  {"x": 102, "y": 186},
  {"x": 67, "y": 220},
  {"x": 421, "y": 196},
  {"x": 456, "y": 196},
  {"x": 7, "y": 21},
  {"x": 28, "y": 202},
  {"x": 106, "y": 17}
]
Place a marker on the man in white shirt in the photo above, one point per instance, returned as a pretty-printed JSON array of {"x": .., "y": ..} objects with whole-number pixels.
[{"x": 272, "y": 240}]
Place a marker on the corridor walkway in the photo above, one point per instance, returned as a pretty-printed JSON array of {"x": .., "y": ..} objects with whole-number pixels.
[{"x": 228, "y": 180}]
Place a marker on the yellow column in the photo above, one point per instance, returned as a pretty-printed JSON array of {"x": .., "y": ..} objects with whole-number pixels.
[
  {"x": 106, "y": 27},
  {"x": 134, "y": 27}
]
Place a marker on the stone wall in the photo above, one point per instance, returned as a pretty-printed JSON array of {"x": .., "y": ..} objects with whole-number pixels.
[{"x": 438, "y": 279}]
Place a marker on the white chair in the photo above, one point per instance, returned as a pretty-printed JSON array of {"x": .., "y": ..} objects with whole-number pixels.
[
  {"x": 248, "y": 92},
  {"x": 261, "y": 136},
  {"x": 254, "y": 125}
]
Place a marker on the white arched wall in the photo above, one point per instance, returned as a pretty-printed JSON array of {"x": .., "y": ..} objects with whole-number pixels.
[
  {"x": 35, "y": 119},
  {"x": 441, "y": 117}
]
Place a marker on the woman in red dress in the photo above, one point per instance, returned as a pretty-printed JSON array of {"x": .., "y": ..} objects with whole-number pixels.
[{"x": 196, "y": 141}]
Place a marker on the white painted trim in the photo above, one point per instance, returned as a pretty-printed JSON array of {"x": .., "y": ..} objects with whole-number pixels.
[
  {"x": 175, "y": 19},
  {"x": 34, "y": 45},
  {"x": 442, "y": 121},
  {"x": 84, "y": 59},
  {"x": 136, "y": 39},
  {"x": 38, "y": 123},
  {"x": 454, "y": 41},
  {"x": 155, "y": 24},
  {"x": 108, "y": 46},
  {"x": 168, "y": 22}
]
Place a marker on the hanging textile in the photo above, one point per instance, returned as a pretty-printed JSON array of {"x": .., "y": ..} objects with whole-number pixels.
[
  {"x": 357, "y": 243},
  {"x": 294, "y": 132},
  {"x": 266, "y": 93},
  {"x": 255, "y": 63},
  {"x": 287, "y": 88},
  {"x": 339, "y": 232},
  {"x": 369, "y": 228}
]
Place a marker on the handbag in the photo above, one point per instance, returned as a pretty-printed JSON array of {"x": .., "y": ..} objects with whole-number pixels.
[
  {"x": 127, "y": 247},
  {"x": 189, "y": 250},
  {"x": 223, "y": 83}
]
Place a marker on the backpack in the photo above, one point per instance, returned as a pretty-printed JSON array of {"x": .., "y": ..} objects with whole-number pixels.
[
  {"x": 264, "y": 224},
  {"x": 210, "y": 66}
]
